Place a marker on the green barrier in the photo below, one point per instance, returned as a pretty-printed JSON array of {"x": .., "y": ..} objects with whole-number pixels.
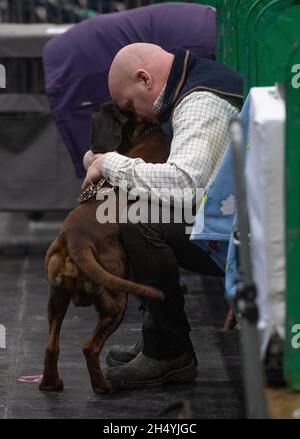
[
  {"x": 247, "y": 12},
  {"x": 243, "y": 9},
  {"x": 274, "y": 47},
  {"x": 292, "y": 344},
  {"x": 258, "y": 26},
  {"x": 241, "y": 23},
  {"x": 272, "y": 30},
  {"x": 227, "y": 37},
  {"x": 233, "y": 17}
]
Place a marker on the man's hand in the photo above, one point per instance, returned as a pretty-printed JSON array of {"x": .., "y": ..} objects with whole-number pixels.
[
  {"x": 94, "y": 170},
  {"x": 88, "y": 159}
]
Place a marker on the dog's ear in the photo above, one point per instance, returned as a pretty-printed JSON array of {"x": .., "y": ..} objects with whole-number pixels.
[
  {"x": 121, "y": 116},
  {"x": 106, "y": 133}
]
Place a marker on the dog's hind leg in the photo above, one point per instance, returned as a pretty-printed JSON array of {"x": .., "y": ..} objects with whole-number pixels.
[
  {"x": 59, "y": 301},
  {"x": 112, "y": 313}
]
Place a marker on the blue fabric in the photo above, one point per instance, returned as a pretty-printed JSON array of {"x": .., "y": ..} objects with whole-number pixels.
[{"x": 215, "y": 221}]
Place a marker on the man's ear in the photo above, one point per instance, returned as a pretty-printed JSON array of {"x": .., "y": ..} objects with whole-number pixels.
[{"x": 144, "y": 77}]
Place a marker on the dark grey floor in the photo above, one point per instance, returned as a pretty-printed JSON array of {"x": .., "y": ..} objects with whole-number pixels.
[{"x": 217, "y": 393}]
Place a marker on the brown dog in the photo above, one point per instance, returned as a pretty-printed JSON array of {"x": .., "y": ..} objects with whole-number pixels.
[{"x": 86, "y": 263}]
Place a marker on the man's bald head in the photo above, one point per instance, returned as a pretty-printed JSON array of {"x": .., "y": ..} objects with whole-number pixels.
[
  {"x": 138, "y": 69},
  {"x": 133, "y": 57}
]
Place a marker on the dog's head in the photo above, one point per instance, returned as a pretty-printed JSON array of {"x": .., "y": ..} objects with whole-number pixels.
[{"x": 111, "y": 129}]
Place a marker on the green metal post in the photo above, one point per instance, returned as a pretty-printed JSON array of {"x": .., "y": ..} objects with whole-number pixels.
[
  {"x": 227, "y": 37},
  {"x": 292, "y": 342}
]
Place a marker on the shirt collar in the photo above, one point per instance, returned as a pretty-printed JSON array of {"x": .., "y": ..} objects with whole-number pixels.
[{"x": 159, "y": 100}]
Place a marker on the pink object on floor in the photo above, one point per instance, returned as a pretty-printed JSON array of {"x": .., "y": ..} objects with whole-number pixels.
[{"x": 31, "y": 379}]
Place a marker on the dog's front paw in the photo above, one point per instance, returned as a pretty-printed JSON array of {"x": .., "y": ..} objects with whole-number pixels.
[
  {"x": 56, "y": 386},
  {"x": 105, "y": 387}
]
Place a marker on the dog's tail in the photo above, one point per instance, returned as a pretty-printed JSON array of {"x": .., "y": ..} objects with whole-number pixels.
[{"x": 88, "y": 264}]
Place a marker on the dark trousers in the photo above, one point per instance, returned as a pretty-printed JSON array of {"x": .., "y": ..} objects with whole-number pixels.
[{"x": 155, "y": 253}]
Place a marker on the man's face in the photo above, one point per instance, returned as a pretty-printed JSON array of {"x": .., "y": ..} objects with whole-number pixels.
[{"x": 137, "y": 99}]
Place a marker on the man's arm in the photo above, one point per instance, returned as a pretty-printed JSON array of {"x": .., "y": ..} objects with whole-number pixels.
[{"x": 200, "y": 136}]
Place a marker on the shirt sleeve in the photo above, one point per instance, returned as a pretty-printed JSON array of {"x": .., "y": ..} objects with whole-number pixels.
[{"x": 200, "y": 136}]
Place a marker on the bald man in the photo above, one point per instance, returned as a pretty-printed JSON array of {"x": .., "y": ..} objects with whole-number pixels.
[
  {"x": 77, "y": 62},
  {"x": 194, "y": 99}
]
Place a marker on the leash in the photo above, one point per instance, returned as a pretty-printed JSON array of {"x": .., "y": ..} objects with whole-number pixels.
[{"x": 91, "y": 191}]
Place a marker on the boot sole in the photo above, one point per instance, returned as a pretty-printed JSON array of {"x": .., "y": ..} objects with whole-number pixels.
[{"x": 180, "y": 376}]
